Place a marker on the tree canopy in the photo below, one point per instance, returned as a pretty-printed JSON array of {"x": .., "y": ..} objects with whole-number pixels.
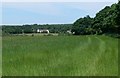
[
  {"x": 82, "y": 25},
  {"x": 106, "y": 20}
]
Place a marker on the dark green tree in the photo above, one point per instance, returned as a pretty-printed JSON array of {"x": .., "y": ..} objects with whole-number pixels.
[{"x": 82, "y": 26}]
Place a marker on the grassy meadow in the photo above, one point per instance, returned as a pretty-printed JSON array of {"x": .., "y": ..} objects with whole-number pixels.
[
  {"x": 0, "y": 56},
  {"x": 60, "y": 56}
]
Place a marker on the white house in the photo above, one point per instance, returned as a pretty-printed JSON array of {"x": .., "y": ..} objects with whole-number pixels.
[
  {"x": 43, "y": 31},
  {"x": 70, "y": 32},
  {"x": 38, "y": 30}
]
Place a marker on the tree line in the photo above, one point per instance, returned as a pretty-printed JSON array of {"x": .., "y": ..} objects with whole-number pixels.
[
  {"x": 19, "y": 29},
  {"x": 106, "y": 21}
]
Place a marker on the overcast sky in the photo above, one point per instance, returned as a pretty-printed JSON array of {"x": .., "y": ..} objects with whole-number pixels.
[{"x": 48, "y": 12}]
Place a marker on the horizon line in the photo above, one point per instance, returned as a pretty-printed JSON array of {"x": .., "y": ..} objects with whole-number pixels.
[{"x": 36, "y": 23}]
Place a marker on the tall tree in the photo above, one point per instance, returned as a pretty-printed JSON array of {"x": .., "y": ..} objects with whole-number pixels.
[{"x": 82, "y": 25}]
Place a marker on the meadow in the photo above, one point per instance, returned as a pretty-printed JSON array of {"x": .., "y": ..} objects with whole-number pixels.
[
  {"x": 0, "y": 56},
  {"x": 60, "y": 56}
]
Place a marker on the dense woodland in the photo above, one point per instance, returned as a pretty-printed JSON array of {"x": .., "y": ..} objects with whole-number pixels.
[
  {"x": 53, "y": 28},
  {"x": 106, "y": 21}
]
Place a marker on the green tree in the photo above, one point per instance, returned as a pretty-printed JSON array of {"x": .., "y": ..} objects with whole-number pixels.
[{"x": 82, "y": 26}]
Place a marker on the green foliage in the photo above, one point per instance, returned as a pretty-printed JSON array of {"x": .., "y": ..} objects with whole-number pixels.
[
  {"x": 12, "y": 29},
  {"x": 106, "y": 21},
  {"x": 83, "y": 26},
  {"x": 54, "y": 28}
]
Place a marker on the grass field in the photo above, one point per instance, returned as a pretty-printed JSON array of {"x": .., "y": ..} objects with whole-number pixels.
[
  {"x": 60, "y": 56},
  {"x": 0, "y": 56}
]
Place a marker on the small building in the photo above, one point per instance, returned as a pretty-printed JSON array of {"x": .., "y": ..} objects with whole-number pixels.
[
  {"x": 70, "y": 32},
  {"x": 43, "y": 31}
]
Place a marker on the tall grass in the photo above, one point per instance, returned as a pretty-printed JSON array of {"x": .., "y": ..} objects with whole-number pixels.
[
  {"x": 60, "y": 56},
  {"x": 0, "y": 56}
]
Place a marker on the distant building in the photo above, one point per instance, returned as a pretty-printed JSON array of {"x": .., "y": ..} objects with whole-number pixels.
[
  {"x": 43, "y": 31},
  {"x": 69, "y": 32}
]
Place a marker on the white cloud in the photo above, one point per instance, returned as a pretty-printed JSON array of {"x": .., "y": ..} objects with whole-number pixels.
[{"x": 59, "y": 0}]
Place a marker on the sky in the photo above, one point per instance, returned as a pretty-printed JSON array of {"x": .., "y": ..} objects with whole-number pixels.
[{"x": 36, "y": 12}]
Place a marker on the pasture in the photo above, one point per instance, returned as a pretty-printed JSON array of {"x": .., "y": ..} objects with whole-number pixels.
[
  {"x": 60, "y": 56},
  {"x": 0, "y": 56}
]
